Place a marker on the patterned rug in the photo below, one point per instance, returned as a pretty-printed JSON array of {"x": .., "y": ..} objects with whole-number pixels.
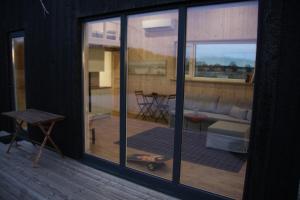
[{"x": 160, "y": 141}]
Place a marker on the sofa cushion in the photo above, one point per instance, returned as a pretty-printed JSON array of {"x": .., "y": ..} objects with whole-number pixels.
[
  {"x": 223, "y": 108},
  {"x": 206, "y": 106},
  {"x": 216, "y": 117},
  {"x": 230, "y": 129},
  {"x": 224, "y": 105},
  {"x": 202, "y": 103},
  {"x": 207, "y": 103},
  {"x": 189, "y": 104},
  {"x": 238, "y": 112},
  {"x": 212, "y": 116}
]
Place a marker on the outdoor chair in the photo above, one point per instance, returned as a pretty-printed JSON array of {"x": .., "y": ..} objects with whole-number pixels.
[
  {"x": 163, "y": 108},
  {"x": 143, "y": 105}
]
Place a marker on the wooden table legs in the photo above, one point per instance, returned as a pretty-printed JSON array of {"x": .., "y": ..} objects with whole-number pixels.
[
  {"x": 18, "y": 128},
  {"x": 47, "y": 131}
]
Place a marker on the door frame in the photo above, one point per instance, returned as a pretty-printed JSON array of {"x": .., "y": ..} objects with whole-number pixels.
[{"x": 12, "y": 81}]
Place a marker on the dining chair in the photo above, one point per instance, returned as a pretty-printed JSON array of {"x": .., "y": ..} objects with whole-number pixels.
[
  {"x": 163, "y": 108},
  {"x": 143, "y": 105}
]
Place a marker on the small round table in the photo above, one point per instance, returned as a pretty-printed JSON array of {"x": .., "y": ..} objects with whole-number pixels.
[{"x": 195, "y": 118}]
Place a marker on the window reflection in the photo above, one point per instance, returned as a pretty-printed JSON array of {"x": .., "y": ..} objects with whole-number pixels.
[
  {"x": 151, "y": 91},
  {"x": 217, "y": 101},
  {"x": 225, "y": 60},
  {"x": 102, "y": 83}
]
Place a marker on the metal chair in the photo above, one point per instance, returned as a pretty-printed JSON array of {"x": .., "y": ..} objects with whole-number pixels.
[
  {"x": 143, "y": 104},
  {"x": 163, "y": 108}
]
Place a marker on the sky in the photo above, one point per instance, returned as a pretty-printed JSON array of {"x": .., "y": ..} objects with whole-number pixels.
[{"x": 225, "y": 53}]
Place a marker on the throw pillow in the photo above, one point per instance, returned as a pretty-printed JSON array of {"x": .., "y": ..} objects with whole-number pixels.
[
  {"x": 206, "y": 106},
  {"x": 207, "y": 103},
  {"x": 238, "y": 112},
  {"x": 223, "y": 108}
]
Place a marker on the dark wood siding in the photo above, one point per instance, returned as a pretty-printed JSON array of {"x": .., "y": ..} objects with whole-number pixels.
[
  {"x": 273, "y": 170},
  {"x": 54, "y": 82},
  {"x": 12, "y": 19}
]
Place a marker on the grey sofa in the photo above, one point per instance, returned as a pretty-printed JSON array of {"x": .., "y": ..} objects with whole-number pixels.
[{"x": 215, "y": 108}]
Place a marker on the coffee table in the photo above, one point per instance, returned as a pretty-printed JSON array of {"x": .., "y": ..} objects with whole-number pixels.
[
  {"x": 194, "y": 118},
  {"x": 228, "y": 136}
]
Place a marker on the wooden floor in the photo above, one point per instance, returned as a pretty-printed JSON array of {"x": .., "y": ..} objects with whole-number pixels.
[
  {"x": 225, "y": 183},
  {"x": 58, "y": 178}
]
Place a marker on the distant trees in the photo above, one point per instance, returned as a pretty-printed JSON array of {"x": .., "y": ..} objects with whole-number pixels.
[
  {"x": 233, "y": 66},
  {"x": 231, "y": 70},
  {"x": 248, "y": 68}
]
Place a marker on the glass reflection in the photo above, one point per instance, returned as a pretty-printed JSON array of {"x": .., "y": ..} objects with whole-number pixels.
[
  {"x": 218, "y": 96},
  {"x": 151, "y": 91},
  {"x": 101, "y": 56}
]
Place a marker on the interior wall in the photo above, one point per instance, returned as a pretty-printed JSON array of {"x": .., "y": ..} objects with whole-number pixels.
[{"x": 228, "y": 22}]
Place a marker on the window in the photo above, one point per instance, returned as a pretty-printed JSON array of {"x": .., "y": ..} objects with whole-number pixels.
[{"x": 222, "y": 60}]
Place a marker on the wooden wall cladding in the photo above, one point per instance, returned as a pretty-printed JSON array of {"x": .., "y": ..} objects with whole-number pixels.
[
  {"x": 273, "y": 170},
  {"x": 219, "y": 22},
  {"x": 11, "y": 20}
]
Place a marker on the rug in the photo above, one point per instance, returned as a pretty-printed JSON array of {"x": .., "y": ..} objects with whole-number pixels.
[{"x": 160, "y": 141}]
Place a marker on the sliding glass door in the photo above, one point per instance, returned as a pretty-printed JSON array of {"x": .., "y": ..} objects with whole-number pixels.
[
  {"x": 101, "y": 55},
  {"x": 218, "y": 96},
  {"x": 169, "y": 98},
  {"x": 151, "y": 91}
]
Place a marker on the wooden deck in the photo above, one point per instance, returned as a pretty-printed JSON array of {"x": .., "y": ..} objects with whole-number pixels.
[{"x": 58, "y": 178}]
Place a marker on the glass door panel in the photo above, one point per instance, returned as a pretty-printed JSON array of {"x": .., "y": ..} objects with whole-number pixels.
[
  {"x": 101, "y": 57},
  {"x": 151, "y": 91},
  {"x": 218, "y": 96},
  {"x": 18, "y": 66}
]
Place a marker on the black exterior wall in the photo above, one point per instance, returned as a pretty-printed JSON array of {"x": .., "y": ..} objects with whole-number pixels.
[
  {"x": 273, "y": 170},
  {"x": 54, "y": 80}
]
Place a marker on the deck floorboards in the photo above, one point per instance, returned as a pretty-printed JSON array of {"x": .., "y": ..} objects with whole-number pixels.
[{"x": 58, "y": 178}]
